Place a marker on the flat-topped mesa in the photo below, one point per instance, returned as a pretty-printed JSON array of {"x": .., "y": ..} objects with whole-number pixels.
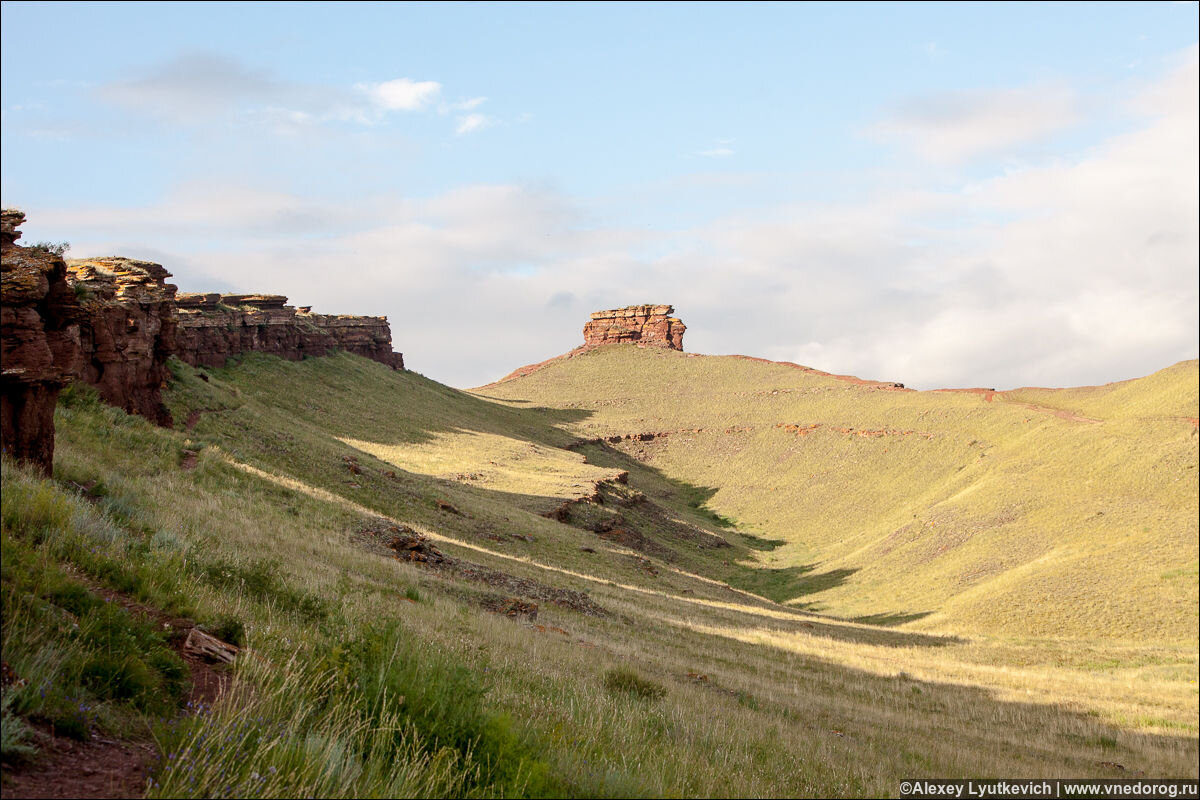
[
  {"x": 644, "y": 324},
  {"x": 215, "y": 327}
]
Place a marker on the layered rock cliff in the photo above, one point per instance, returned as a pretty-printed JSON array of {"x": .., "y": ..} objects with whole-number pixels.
[
  {"x": 113, "y": 323},
  {"x": 645, "y": 324},
  {"x": 214, "y": 327},
  {"x": 127, "y": 333},
  {"x": 39, "y": 344}
]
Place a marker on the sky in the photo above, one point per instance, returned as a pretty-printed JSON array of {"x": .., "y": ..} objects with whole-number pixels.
[{"x": 945, "y": 195}]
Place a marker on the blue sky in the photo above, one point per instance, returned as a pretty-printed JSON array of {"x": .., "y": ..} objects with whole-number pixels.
[{"x": 940, "y": 194}]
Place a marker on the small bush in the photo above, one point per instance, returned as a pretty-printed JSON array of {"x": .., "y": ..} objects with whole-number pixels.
[
  {"x": 54, "y": 248},
  {"x": 625, "y": 681},
  {"x": 14, "y": 733},
  {"x": 229, "y": 628},
  {"x": 129, "y": 659}
]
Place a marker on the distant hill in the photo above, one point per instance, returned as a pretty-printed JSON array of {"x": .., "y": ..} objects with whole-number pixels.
[{"x": 1037, "y": 511}]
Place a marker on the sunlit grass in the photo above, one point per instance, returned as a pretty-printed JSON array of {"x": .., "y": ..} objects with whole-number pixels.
[{"x": 745, "y": 696}]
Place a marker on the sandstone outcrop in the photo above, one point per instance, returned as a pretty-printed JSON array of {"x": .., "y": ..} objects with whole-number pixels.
[
  {"x": 113, "y": 323},
  {"x": 645, "y": 324},
  {"x": 127, "y": 332},
  {"x": 214, "y": 327},
  {"x": 39, "y": 344}
]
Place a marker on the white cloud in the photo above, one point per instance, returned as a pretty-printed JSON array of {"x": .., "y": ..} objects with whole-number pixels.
[
  {"x": 208, "y": 90},
  {"x": 1075, "y": 272},
  {"x": 717, "y": 152},
  {"x": 471, "y": 123},
  {"x": 404, "y": 94},
  {"x": 463, "y": 105},
  {"x": 953, "y": 127}
]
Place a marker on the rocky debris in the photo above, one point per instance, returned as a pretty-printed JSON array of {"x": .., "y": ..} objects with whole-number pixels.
[
  {"x": 39, "y": 344},
  {"x": 448, "y": 508},
  {"x": 214, "y": 327},
  {"x": 352, "y": 465},
  {"x": 644, "y": 324},
  {"x": 798, "y": 429},
  {"x": 525, "y": 587},
  {"x": 600, "y": 490},
  {"x": 621, "y": 532},
  {"x": 511, "y": 607},
  {"x": 551, "y": 629},
  {"x": 561, "y": 512},
  {"x": 127, "y": 331},
  {"x": 650, "y": 436},
  {"x": 647, "y": 566},
  {"x": 409, "y": 545},
  {"x": 208, "y": 647}
]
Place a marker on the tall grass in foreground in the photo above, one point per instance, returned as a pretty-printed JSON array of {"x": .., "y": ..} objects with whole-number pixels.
[
  {"x": 283, "y": 734},
  {"x": 381, "y": 716}
]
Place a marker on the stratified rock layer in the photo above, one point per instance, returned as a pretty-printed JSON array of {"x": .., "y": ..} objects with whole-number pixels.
[
  {"x": 39, "y": 344},
  {"x": 645, "y": 324},
  {"x": 113, "y": 323},
  {"x": 127, "y": 333},
  {"x": 213, "y": 328}
]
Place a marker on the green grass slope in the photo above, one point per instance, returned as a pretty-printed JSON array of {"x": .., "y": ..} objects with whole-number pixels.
[
  {"x": 665, "y": 659},
  {"x": 1036, "y": 512}
]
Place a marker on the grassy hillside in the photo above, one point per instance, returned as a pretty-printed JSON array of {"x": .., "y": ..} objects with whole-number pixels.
[
  {"x": 669, "y": 654},
  {"x": 1037, "y": 512}
]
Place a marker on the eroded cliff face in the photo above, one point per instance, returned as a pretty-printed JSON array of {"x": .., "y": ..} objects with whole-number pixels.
[
  {"x": 39, "y": 344},
  {"x": 127, "y": 333},
  {"x": 113, "y": 323},
  {"x": 214, "y": 327},
  {"x": 645, "y": 324}
]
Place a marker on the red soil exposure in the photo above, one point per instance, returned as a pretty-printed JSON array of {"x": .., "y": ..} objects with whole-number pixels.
[
  {"x": 799, "y": 430},
  {"x": 102, "y": 767},
  {"x": 69, "y": 769}
]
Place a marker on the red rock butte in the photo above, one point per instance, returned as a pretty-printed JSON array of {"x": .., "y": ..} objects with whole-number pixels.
[{"x": 644, "y": 324}]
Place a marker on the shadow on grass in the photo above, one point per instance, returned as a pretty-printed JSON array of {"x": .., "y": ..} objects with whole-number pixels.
[
  {"x": 349, "y": 396},
  {"x": 784, "y": 584},
  {"x": 890, "y": 619}
]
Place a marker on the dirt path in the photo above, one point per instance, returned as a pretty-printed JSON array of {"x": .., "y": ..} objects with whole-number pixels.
[{"x": 103, "y": 767}]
